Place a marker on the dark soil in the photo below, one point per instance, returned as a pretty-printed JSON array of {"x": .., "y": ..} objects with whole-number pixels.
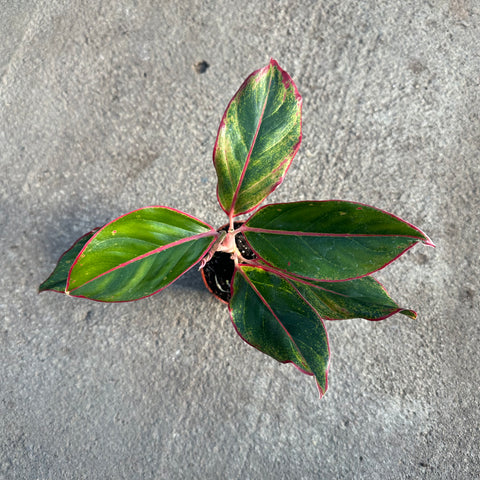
[{"x": 218, "y": 272}]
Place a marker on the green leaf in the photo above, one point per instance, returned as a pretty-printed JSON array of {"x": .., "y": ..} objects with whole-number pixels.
[
  {"x": 139, "y": 254},
  {"x": 268, "y": 313},
  {"x": 57, "y": 280},
  {"x": 329, "y": 240},
  {"x": 259, "y": 135},
  {"x": 360, "y": 298}
]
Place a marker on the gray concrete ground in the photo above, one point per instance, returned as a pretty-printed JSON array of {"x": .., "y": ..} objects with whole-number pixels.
[{"x": 101, "y": 112}]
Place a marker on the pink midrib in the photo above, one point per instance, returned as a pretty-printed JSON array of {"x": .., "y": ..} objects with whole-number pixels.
[
  {"x": 269, "y": 308},
  {"x": 319, "y": 234},
  {"x": 140, "y": 257},
  {"x": 252, "y": 146}
]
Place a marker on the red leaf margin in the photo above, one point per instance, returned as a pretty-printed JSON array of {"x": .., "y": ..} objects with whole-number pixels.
[
  {"x": 305, "y": 281},
  {"x": 212, "y": 232},
  {"x": 427, "y": 242},
  {"x": 310, "y": 374},
  {"x": 287, "y": 81}
]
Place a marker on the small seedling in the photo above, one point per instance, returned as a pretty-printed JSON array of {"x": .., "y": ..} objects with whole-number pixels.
[{"x": 282, "y": 271}]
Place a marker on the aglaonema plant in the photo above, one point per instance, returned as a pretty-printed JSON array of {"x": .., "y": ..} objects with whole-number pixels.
[{"x": 283, "y": 271}]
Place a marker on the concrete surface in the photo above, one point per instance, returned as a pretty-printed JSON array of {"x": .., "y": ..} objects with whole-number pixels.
[{"x": 101, "y": 112}]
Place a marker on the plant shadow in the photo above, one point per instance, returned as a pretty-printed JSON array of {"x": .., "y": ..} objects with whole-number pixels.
[{"x": 191, "y": 280}]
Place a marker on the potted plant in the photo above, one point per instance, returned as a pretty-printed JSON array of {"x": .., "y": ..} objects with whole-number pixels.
[{"x": 283, "y": 271}]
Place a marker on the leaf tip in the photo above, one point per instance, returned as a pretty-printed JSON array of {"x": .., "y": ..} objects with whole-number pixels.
[
  {"x": 409, "y": 313},
  {"x": 322, "y": 390},
  {"x": 273, "y": 63},
  {"x": 43, "y": 288},
  {"x": 428, "y": 242}
]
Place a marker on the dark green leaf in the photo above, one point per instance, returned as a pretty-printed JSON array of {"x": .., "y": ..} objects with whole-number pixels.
[
  {"x": 269, "y": 314},
  {"x": 57, "y": 280},
  {"x": 360, "y": 298},
  {"x": 329, "y": 240}
]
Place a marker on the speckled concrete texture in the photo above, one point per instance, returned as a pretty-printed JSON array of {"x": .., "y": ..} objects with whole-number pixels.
[{"x": 102, "y": 112}]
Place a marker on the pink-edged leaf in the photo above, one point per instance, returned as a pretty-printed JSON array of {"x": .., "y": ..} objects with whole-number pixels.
[
  {"x": 269, "y": 314},
  {"x": 57, "y": 281},
  {"x": 363, "y": 297},
  {"x": 138, "y": 254},
  {"x": 329, "y": 240},
  {"x": 259, "y": 135}
]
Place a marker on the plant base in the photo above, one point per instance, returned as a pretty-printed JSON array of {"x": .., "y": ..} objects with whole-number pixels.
[{"x": 218, "y": 272}]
